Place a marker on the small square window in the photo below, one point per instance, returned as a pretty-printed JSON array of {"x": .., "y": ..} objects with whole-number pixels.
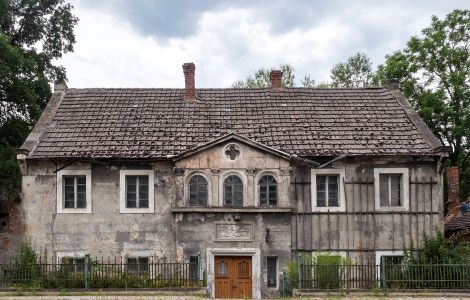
[
  {"x": 137, "y": 265},
  {"x": 73, "y": 264}
]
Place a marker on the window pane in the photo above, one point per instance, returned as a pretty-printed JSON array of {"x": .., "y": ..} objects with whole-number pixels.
[
  {"x": 81, "y": 200},
  {"x": 228, "y": 195},
  {"x": 143, "y": 191},
  {"x": 321, "y": 199},
  {"x": 383, "y": 185},
  {"x": 395, "y": 180},
  {"x": 263, "y": 195},
  {"x": 272, "y": 271},
  {"x": 143, "y": 203},
  {"x": 143, "y": 264},
  {"x": 132, "y": 265},
  {"x": 198, "y": 190},
  {"x": 81, "y": 180},
  {"x": 194, "y": 268},
  {"x": 321, "y": 183},
  {"x": 333, "y": 191},
  {"x": 79, "y": 265},
  {"x": 69, "y": 181}
]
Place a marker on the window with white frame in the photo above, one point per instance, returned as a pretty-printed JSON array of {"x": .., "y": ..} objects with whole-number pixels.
[
  {"x": 391, "y": 188},
  {"x": 389, "y": 263},
  {"x": 327, "y": 191},
  {"x": 74, "y": 191},
  {"x": 137, "y": 191},
  {"x": 73, "y": 264}
]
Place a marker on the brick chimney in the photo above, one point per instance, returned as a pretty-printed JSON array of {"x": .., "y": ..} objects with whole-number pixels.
[
  {"x": 276, "y": 79},
  {"x": 60, "y": 86},
  {"x": 453, "y": 198},
  {"x": 189, "y": 70},
  {"x": 392, "y": 84}
]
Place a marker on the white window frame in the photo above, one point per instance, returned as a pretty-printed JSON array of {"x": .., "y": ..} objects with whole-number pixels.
[
  {"x": 341, "y": 202},
  {"x": 404, "y": 183},
  {"x": 60, "y": 192},
  {"x": 378, "y": 258},
  {"x": 122, "y": 191},
  {"x": 379, "y": 254},
  {"x": 75, "y": 254}
]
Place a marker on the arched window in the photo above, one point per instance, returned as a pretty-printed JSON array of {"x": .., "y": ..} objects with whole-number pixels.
[
  {"x": 233, "y": 191},
  {"x": 267, "y": 191},
  {"x": 198, "y": 191}
]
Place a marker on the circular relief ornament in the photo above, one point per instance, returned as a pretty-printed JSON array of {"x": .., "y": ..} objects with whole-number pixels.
[{"x": 232, "y": 152}]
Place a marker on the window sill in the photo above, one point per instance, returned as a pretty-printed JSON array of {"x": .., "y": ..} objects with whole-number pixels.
[
  {"x": 136, "y": 211},
  {"x": 74, "y": 211},
  {"x": 232, "y": 210}
]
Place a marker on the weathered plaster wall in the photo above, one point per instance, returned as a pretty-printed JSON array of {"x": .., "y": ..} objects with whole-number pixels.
[{"x": 106, "y": 231}]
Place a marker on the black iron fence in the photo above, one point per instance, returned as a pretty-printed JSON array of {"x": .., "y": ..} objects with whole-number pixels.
[
  {"x": 94, "y": 273},
  {"x": 366, "y": 277}
]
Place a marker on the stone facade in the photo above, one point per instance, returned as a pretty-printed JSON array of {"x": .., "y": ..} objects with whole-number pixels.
[{"x": 176, "y": 231}]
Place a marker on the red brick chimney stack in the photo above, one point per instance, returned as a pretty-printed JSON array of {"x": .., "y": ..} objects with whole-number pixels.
[
  {"x": 276, "y": 79},
  {"x": 189, "y": 70},
  {"x": 453, "y": 191}
]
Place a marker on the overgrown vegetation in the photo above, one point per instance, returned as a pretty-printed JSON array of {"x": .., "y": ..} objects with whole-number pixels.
[{"x": 29, "y": 269}]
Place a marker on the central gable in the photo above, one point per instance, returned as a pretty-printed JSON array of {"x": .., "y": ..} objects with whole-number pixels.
[{"x": 233, "y": 151}]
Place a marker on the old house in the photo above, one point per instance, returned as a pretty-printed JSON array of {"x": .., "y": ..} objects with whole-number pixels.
[{"x": 234, "y": 179}]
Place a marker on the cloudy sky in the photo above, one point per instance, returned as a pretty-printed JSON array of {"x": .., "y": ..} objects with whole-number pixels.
[{"x": 143, "y": 43}]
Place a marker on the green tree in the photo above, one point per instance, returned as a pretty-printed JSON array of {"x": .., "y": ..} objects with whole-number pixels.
[
  {"x": 33, "y": 33},
  {"x": 434, "y": 73},
  {"x": 355, "y": 72},
  {"x": 261, "y": 78}
]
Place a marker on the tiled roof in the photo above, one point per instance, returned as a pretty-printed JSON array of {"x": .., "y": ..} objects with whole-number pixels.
[
  {"x": 458, "y": 223},
  {"x": 158, "y": 123}
]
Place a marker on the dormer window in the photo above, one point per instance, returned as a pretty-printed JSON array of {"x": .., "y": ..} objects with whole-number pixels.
[
  {"x": 233, "y": 191},
  {"x": 198, "y": 191}
]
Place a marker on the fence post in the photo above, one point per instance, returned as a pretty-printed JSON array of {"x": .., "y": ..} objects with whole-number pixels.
[
  {"x": 87, "y": 263},
  {"x": 299, "y": 271}
]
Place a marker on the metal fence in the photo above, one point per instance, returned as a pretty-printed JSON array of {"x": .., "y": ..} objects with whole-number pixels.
[
  {"x": 94, "y": 273},
  {"x": 366, "y": 277}
]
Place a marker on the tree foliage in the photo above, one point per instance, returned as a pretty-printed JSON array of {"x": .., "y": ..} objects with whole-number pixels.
[
  {"x": 261, "y": 78},
  {"x": 355, "y": 72},
  {"x": 434, "y": 73},
  {"x": 33, "y": 33}
]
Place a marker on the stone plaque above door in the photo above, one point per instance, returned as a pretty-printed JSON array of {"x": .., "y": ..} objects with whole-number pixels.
[{"x": 233, "y": 232}]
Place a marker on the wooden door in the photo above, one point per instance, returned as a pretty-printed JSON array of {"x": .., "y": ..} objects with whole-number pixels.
[{"x": 233, "y": 277}]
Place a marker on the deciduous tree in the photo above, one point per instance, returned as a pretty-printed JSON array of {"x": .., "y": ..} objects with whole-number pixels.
[{"x": 33, "y": 34}]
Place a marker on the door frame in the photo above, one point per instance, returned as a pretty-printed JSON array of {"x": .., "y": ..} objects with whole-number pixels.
[{"x": 255, "y": 255}]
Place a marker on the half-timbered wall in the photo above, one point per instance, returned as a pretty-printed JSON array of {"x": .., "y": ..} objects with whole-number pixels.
[{"x": 361, "y": 230}]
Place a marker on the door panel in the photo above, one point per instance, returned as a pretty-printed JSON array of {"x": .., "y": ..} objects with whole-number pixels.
[{"x": 233, "y": 277}]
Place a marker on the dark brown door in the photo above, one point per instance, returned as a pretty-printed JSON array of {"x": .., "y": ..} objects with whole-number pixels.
[{"x": 233, "y": 277}]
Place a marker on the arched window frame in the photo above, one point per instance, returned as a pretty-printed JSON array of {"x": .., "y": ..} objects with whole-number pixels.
[
  {"x": 222, "y": 186},
  {"x": 257, "y": 188},
  {"x": 186, "y": 190}
]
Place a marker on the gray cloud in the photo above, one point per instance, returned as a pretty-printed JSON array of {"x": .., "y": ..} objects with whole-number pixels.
[{"x": 230, "y": 39}]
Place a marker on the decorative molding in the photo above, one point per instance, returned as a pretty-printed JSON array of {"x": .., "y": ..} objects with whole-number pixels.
[
  {"x": 215, "y": 171},
  {"x": 233, "y": 231},
  {"x": 232, "y": 152},
  {"x": 251, "y": 171},
  {"x": 286, "y": 171}
]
